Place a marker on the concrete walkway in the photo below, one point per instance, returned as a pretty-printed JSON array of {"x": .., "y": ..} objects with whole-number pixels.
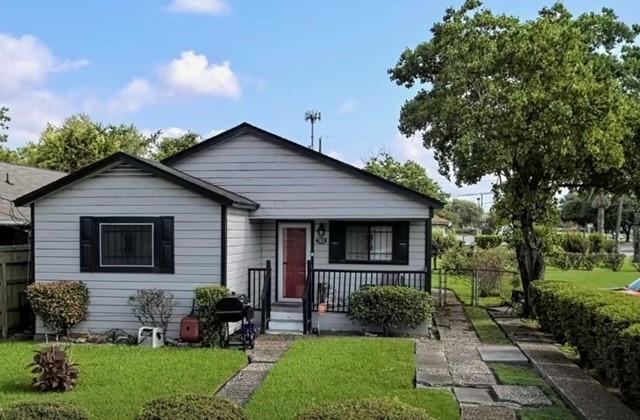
[
  {"x": 458, "y": 361},
  {"x": 579, "y": 390},
  {"x": 268, "y": 350}
]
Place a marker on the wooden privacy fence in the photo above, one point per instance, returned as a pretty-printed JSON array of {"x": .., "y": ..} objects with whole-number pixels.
[{"x": 14, "y": 277}]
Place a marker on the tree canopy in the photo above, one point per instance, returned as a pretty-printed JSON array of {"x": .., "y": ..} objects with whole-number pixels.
[
  {"x": 80, "y": 141},
  {"x": 462, "y": 213},
  {"x": 168, "y": 146},
  {"x": 538, "y": 104},
  {"x": 409, "y": 174}
]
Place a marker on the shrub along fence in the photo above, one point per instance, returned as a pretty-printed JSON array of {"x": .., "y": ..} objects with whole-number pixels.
[
  {"x": 603, "y": 325},
  {"x": 14, "y": 276}
]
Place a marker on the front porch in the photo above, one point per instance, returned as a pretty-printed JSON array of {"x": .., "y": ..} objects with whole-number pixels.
[{"x": 325, "y": 291}]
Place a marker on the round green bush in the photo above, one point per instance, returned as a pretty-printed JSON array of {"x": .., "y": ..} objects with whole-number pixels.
[
  {"x": 42, "y": 410},
  {"x": 391, "y": 307},
  {"x": 367, "y": 409},
  {"x": 191, "y": 407},
  {"x": 60, "y": 304}
]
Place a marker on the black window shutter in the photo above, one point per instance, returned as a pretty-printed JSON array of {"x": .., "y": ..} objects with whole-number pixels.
[
  {"x": 88, "y": 244},
  {"x": 337, "y": 241},
  {"x": 165, "y": 262},
  {"x": 401, "y": 242}
]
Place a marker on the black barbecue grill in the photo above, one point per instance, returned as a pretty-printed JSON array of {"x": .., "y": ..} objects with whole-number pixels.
[{"x": 236, "y": 309}]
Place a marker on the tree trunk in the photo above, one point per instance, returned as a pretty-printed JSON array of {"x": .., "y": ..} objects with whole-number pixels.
[
  {"x": 530, "y": 260},
  {"x": 600, "y": 219},
  {"x": 636, "y": 236}
]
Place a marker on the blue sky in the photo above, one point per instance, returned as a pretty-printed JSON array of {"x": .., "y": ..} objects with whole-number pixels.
[{"x": 207, "y": 65}]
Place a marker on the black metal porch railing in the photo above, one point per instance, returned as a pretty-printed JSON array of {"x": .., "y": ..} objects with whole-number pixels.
[
  {"x": 307, "y": 300},
  {"x": 259, "y": 293},
  {"x": 334, "y": 287}
]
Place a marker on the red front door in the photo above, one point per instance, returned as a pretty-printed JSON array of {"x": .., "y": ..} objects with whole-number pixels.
[{"x": 294, "y": 260}]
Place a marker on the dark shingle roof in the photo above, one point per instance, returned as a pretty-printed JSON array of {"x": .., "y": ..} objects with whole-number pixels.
[
  {"x": 173, "y": 175},
  {"x": 17, "y": 180}
]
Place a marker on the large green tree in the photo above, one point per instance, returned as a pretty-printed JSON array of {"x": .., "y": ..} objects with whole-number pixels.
[
  {"x": 169, "y": 146},
  {"x": 409, "y": 174},
  {"x": 80, "y": 141},
  {"x": 537, "y": 104},
  {"x": 462, "y": 213}
]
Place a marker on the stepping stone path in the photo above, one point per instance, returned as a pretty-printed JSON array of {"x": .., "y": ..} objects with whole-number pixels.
[
  {"x": 268, "y": 350},
  {"x": 582, "y": 392},
  {"x": 528, "y": 396},
  {"x": 502, "y": 353},
  {"x": 458, "y": 361}
]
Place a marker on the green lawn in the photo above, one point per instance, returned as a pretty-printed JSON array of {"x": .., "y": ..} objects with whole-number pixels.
[
  {"x": 597, "y": 278},
  {"x": 524, "y": 375},
  {"x": 316, "y": 370},
  {"x": 115, "y": 381},
  {"x": 488, "y": 331}
]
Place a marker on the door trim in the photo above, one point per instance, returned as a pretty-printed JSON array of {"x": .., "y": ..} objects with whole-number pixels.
[{"x": 280, "y": 268}]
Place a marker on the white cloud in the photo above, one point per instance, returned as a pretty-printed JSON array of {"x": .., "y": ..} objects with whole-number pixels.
[
  {"x": 212, "y": 7},
  {"x": 193, "y": 74},
  {"x": 348, "y": 106},
  {"x": 339, "y": 156},
  {"x": 30, "y": 113},
  {"x": 412, "y": 148},
  {"x": 25, "y": 61},
  {"x": 25, "y": 65},
  {"x": 189, "y": 75},
  {"x": 138, "y": 93}
]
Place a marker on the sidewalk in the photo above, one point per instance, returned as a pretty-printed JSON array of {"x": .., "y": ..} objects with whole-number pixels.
[{"x": 583, "y": 393}]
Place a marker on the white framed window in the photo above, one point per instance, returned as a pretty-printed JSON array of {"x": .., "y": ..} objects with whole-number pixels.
[{"x": 126, "y": 244}]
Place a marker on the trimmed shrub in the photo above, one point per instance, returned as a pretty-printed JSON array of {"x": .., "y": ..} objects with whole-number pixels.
[
  {"x": 366, "y": 409},
  {"x": 190, "y": 407},
  {"x": 390, "y": 307},
  {"x": 488, "y": 241},
  {"x": 43, "y": 410},
  {"x": 608, "y": 246},
  {"x": 575, "y": 243},
  {"x": 60, "y": 304},
  {"x": 455, "y": 260},
  {"x": 613, "y": 261},
  {"x": 491, "y": 265},
  {"x": 596, "y": 242},
  {"x": 598, "y": 323},
  {"x": 152, "y": 307},
  {"x": 54, "y": 371},
  {"x": 443, "y": 241},
  {"x": 206, "y": 300}
]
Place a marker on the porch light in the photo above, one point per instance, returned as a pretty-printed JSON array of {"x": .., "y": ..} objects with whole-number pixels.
[{"x": 321, "y": 230}]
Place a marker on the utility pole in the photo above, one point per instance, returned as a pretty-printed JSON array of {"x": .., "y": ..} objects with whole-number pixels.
[{"x": 312, "y": 117}]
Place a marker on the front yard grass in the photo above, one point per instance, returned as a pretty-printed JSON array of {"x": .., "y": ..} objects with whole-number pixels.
[
  {"x": 115, "y": 381},
  {"x": 318, "y": 370},
  {"x": 488, "y": 331},
  {"x": 508, "y": 374}
]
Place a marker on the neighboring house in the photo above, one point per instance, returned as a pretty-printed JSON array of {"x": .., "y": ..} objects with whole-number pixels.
[
  {"x": 218, "y": 213},
  {"x": 17, "y": 180},
  {"x": 441, "y": 222}
]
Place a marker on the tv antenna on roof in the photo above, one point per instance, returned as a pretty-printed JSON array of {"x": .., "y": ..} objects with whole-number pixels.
[{"x": 312, "y": 116}]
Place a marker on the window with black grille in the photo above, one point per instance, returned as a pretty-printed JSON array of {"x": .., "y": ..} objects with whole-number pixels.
[
  {"x": 126, "y": 245},
  {"x": 369, "y": 242}
]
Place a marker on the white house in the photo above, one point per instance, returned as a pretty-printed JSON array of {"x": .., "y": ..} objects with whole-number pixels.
[{"x": 221, "y": 212}]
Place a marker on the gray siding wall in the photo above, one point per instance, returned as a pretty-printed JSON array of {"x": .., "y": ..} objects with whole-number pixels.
[
  {"x": 292, "y": 185},
  {"x": 125, "y": 191},
  {"x": 243, "y": 248}
]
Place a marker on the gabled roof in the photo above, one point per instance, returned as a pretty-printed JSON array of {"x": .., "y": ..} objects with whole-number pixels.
[
  {"x": 16, "y": 180},
  {"x": 246, "y": 128},
  {"x": 156, "y": 168}
]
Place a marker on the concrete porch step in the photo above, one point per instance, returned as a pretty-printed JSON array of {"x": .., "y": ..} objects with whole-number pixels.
[
  {"x": 286, "y": 316},
  {"x": 276, "y": 324}
]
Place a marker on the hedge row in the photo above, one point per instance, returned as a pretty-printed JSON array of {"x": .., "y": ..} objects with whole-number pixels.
[
  {"x": 579, "y": 261},
  {"x": 603, "y": 325}
]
